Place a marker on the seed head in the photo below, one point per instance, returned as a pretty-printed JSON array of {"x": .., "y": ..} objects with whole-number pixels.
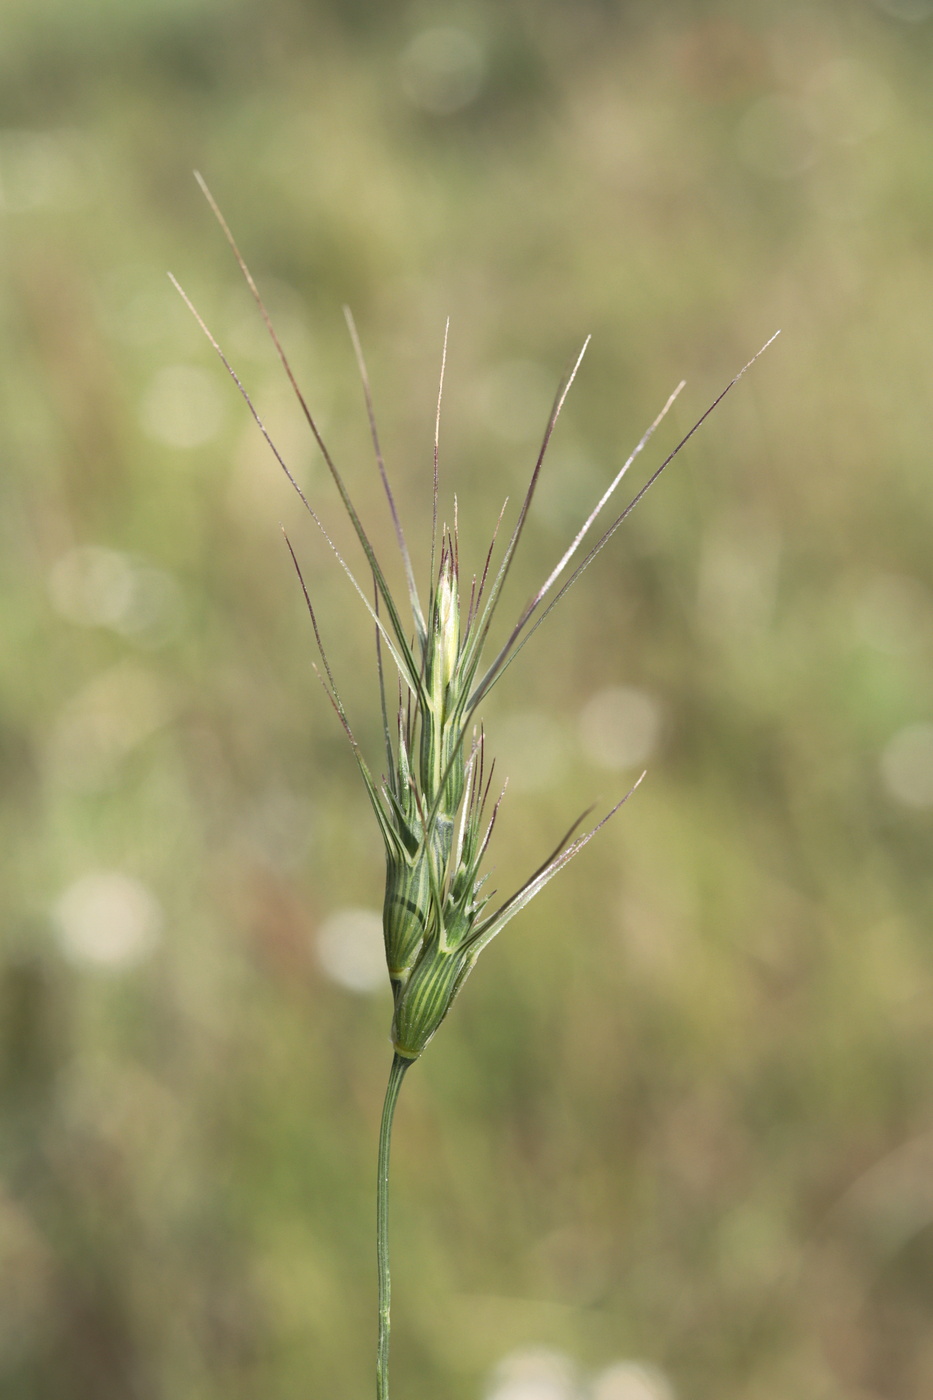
[{"x": 430, "y": 812}]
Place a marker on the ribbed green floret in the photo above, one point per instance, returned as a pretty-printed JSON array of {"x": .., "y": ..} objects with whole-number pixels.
[{"x": 427, "y": 998}]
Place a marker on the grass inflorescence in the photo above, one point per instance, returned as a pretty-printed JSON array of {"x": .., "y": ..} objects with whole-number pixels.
[{"x": 437, "y": 802}]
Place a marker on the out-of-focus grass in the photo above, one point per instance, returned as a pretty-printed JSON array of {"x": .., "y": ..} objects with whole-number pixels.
[{"x": 683, "y": 1114}]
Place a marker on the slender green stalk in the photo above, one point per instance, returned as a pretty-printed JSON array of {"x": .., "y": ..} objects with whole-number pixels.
[{"x": 396, "y": 1075}]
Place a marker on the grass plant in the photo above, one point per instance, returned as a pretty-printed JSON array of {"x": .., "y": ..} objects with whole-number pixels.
[{"x": 434, "y": 803}]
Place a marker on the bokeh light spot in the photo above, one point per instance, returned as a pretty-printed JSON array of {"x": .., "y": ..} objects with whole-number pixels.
[
  {"x": 443, "y": 70},
  {"x": 907, "y": 765},
  {"x": 620, "y": 727},
  {"x": 351, "y": 952},
  {"x": 92, "y": 585},
  {"x": 99, "y": 587},
  {"x": 42, "y": 170},
  {"x": 182, "y": 407},
  {"x": 531, "y": 750},
  {"x": 631, "y": 1380},
  {"x": 108, "y": 920},
  {"x": 534, "y": 1375}
]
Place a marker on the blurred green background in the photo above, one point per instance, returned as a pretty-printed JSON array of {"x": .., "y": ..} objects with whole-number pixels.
[{"x": 678, "y": 1131}]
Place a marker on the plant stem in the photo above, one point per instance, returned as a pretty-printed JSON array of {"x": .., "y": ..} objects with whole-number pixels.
[{"x": 396, "y": 1075}]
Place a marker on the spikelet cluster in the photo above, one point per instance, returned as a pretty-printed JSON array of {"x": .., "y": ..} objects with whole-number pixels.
[{"x": 432, "y": 804}]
